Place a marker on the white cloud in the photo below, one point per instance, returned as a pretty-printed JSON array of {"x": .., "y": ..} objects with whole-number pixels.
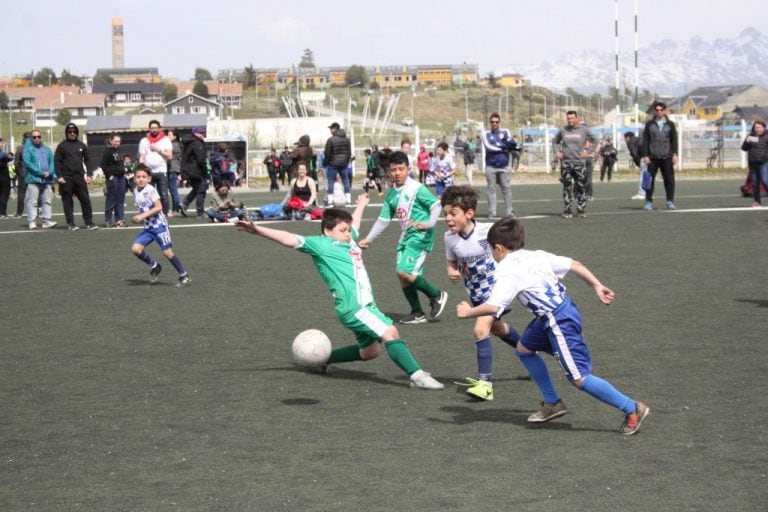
[{"x": 283, "y": 30}]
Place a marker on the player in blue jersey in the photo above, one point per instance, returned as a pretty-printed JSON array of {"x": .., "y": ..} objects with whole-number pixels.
[
  {"x": 470, "y": 260},
  {"x": 155, "y": 227},
  {"x": 533, "y": 278},
  {"x": 339, "y": 261}
]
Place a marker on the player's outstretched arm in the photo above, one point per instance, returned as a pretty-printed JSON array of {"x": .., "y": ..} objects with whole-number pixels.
[
  {"x": 284, "y": 238},
  {"x": 604, "y": 293},
  {"x": 357, "y": 215},
  {"x": 465, "y": 310}
]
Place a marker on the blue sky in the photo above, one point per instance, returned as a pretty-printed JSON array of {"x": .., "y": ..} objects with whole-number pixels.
[{"x": 176, "y": 37}]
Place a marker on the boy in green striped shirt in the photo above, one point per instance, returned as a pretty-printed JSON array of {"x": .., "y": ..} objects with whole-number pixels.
[{"x": 417, "y": 210}]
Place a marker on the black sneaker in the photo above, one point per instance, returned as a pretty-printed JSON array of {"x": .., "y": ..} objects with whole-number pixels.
[
  {"x": 72, "y": 227},
  {"x": 414, "y": 318},
  {"x": 91, "y": 227},
  {"x": 183, "y": 209},
  {"x": 437, "y": 305},
  {"x": 154, "y": 272},
  {"x": 184, "y": 280}
]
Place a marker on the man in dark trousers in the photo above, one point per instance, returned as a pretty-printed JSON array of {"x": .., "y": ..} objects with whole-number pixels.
[
  {"x": 194, "y": 166},
  {"x": 660, "y": 153},
  {"x": 21, "y": 184},
  {"x": 75, "y": 172},
  {"x": 338, "y": 152}
]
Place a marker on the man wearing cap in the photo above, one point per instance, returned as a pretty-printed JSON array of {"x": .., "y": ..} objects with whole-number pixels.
[
  {"x": 338, "y": 153},
  {"x": 74, "y": 170},
  {"x": 154, "y": 151},
  {"x": 194, "y": 167}
]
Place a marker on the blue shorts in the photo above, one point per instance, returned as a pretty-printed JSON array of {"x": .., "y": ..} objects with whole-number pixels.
[
  {"x": 559, "y": 334},
  {"x": 161, "y": 235}
]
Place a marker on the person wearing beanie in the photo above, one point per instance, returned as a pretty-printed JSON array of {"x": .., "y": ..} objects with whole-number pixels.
[{"x": 74, "y": 170}]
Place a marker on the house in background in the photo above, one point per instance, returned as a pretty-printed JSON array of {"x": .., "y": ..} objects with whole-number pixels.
[
  {"x": 132, "y": 75},
  {"x": 747, "y": 114},
  {"x": 230, "y": 95},
  {"x": 711, "y": 103},
  {"x": 193, "y": 104},
  {"x": 45, "y": 103},
  {"x": 131, "y": 94}
]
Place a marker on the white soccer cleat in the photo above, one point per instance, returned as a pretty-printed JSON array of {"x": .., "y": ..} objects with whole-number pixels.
[{"x": 423, "y": 380}]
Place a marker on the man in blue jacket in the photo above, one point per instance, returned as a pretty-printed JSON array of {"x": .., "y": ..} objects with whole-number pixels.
[
  {"x": 39, "y": 174},
  {"x": 497, "y": 144}
]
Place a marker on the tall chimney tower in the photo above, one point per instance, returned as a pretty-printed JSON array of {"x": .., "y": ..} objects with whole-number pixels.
[{"x": 117, "y": 43}]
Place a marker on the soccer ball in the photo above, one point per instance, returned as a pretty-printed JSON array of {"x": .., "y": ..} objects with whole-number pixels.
[{"x": 311, "y": 348}]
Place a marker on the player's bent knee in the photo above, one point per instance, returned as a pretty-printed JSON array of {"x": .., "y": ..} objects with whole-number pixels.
[
  {"x": 370, "y": 352},
  {"x": 136, "y": 249},
  {"x": 390, "y": 334}
]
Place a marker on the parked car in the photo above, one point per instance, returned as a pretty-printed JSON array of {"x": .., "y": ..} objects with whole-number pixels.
[
  {"x": 406, "y": 121},
  {"x": 21, "y": 120}
]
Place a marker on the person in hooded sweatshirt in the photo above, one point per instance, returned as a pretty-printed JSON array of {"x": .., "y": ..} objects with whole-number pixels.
[
  {"x": 338, "y": 153},
  {"x": 74, "y": 170}
]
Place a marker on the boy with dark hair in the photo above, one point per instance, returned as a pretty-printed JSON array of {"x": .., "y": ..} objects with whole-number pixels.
[
  {"x": 533, "y": 277},
  {"x": 339, "y": 262},
  {"x": 417, "y": 211},
  {"x": 155, "y": 227},
  {"x": 469, "y": 259}
]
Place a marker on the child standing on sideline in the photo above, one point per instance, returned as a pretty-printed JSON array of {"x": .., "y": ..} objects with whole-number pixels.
[
  {"x": 469, "y": 258},
  {"x": 417, "y": 211},
  {"x": 444, "y": 169},
  {"x": 372, "y": 178},
  {"x": 155, "y": 227},
  {"x": 339, "y": 262},
  {"x": 533, "y": 277}
]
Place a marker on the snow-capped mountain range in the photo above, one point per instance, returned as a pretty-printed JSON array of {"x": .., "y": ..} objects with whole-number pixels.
[{"x": 665, "y": 67}]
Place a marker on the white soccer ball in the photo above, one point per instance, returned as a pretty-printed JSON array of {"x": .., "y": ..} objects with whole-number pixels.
[{"x": 311, "y": 348}]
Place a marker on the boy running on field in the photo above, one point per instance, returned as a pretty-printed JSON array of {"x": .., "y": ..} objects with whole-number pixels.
[
  {"x": 339, "y": 261},
  {"x": 469, "y": 259},
  {"x": 533, "y": 277},
  {"x": 417, "y": 211},
  {"x": 155, "y": 227}
]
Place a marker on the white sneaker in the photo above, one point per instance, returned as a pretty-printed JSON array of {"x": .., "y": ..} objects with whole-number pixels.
[
  {"x": 638, "y": 197},
  {"x": 423, "y": 380}
]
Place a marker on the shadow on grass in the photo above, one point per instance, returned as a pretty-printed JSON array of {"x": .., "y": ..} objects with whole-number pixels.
[
  {"x": 466, "y": 415},
  {"x": 145, "y": 282},
  {"x": 760, "y": 303},
  {"x": 334, "y": 372}
]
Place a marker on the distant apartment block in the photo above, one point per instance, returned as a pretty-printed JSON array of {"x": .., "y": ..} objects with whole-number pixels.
[
  {"x": 132, "y": 75},
  {"x": 439, "y": 75}
]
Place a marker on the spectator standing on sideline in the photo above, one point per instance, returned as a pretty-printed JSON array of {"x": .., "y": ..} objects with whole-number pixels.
[
  {"x": 756, "y": 146},
  {"x": 220, "y": 166},
  {"x": 40, "y": 174},
  {"x": 272, "y": 161},
  {"x": 21, "y": 184},
  {"x": 633, "y": 146},
  {"x": 174, "y": 172},
  {"x": 75, "y": 171},
  {"x": 422, "y": 163},
  {"x": 607, "y": 152},
  {"x": 114, "y": 182},
  {"x": 194, "y": 167},
  {"x": 338, "y": 152},
  {"x": 572, "y": 145},
  {"x": 660, "y": 152},
  {"x": 285, "y": 165},
  {"x": 5, "y": 181},
  {"x": 460, "y": 149},
  {"x": 497, "y": 144},
  {"x": 154, "y": 151}
]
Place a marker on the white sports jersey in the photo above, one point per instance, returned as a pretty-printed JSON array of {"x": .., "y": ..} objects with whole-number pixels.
[
  {"x": 474, "y": 260},
  {"x": 444, "y": 166},
  {"x": 533, "y": 277},
  {"x": 145, "y": 201}
]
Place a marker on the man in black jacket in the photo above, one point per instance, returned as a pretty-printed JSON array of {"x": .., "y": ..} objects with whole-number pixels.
[
  {"x": 660, "y": 152},
  {"x": 194, "y": 167},
  {"x": 75, "y": 172},
  {"x": 338, "y": 152}
]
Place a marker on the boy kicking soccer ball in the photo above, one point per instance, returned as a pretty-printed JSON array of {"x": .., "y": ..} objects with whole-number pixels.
[
  {"x": 533, "y": 277},
  {"x": 155, "y": 227},
  {"x": 339, "y": 262},
  {"x": 469, "y": 259}
]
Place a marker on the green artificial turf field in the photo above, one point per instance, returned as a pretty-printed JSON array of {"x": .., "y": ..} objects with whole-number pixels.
[{"x": 118, "y": 395}]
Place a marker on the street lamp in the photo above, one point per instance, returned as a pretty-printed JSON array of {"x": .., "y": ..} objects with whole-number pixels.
[{"x": 546, "y": 132}]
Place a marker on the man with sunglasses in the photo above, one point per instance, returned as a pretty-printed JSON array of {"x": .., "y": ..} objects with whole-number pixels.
[
  {"x": 39, "y": 175},
  {"x": 498, "y": 143},
  {"x": 75, "y": 171},
  {"x": 660, "y": 153}
]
